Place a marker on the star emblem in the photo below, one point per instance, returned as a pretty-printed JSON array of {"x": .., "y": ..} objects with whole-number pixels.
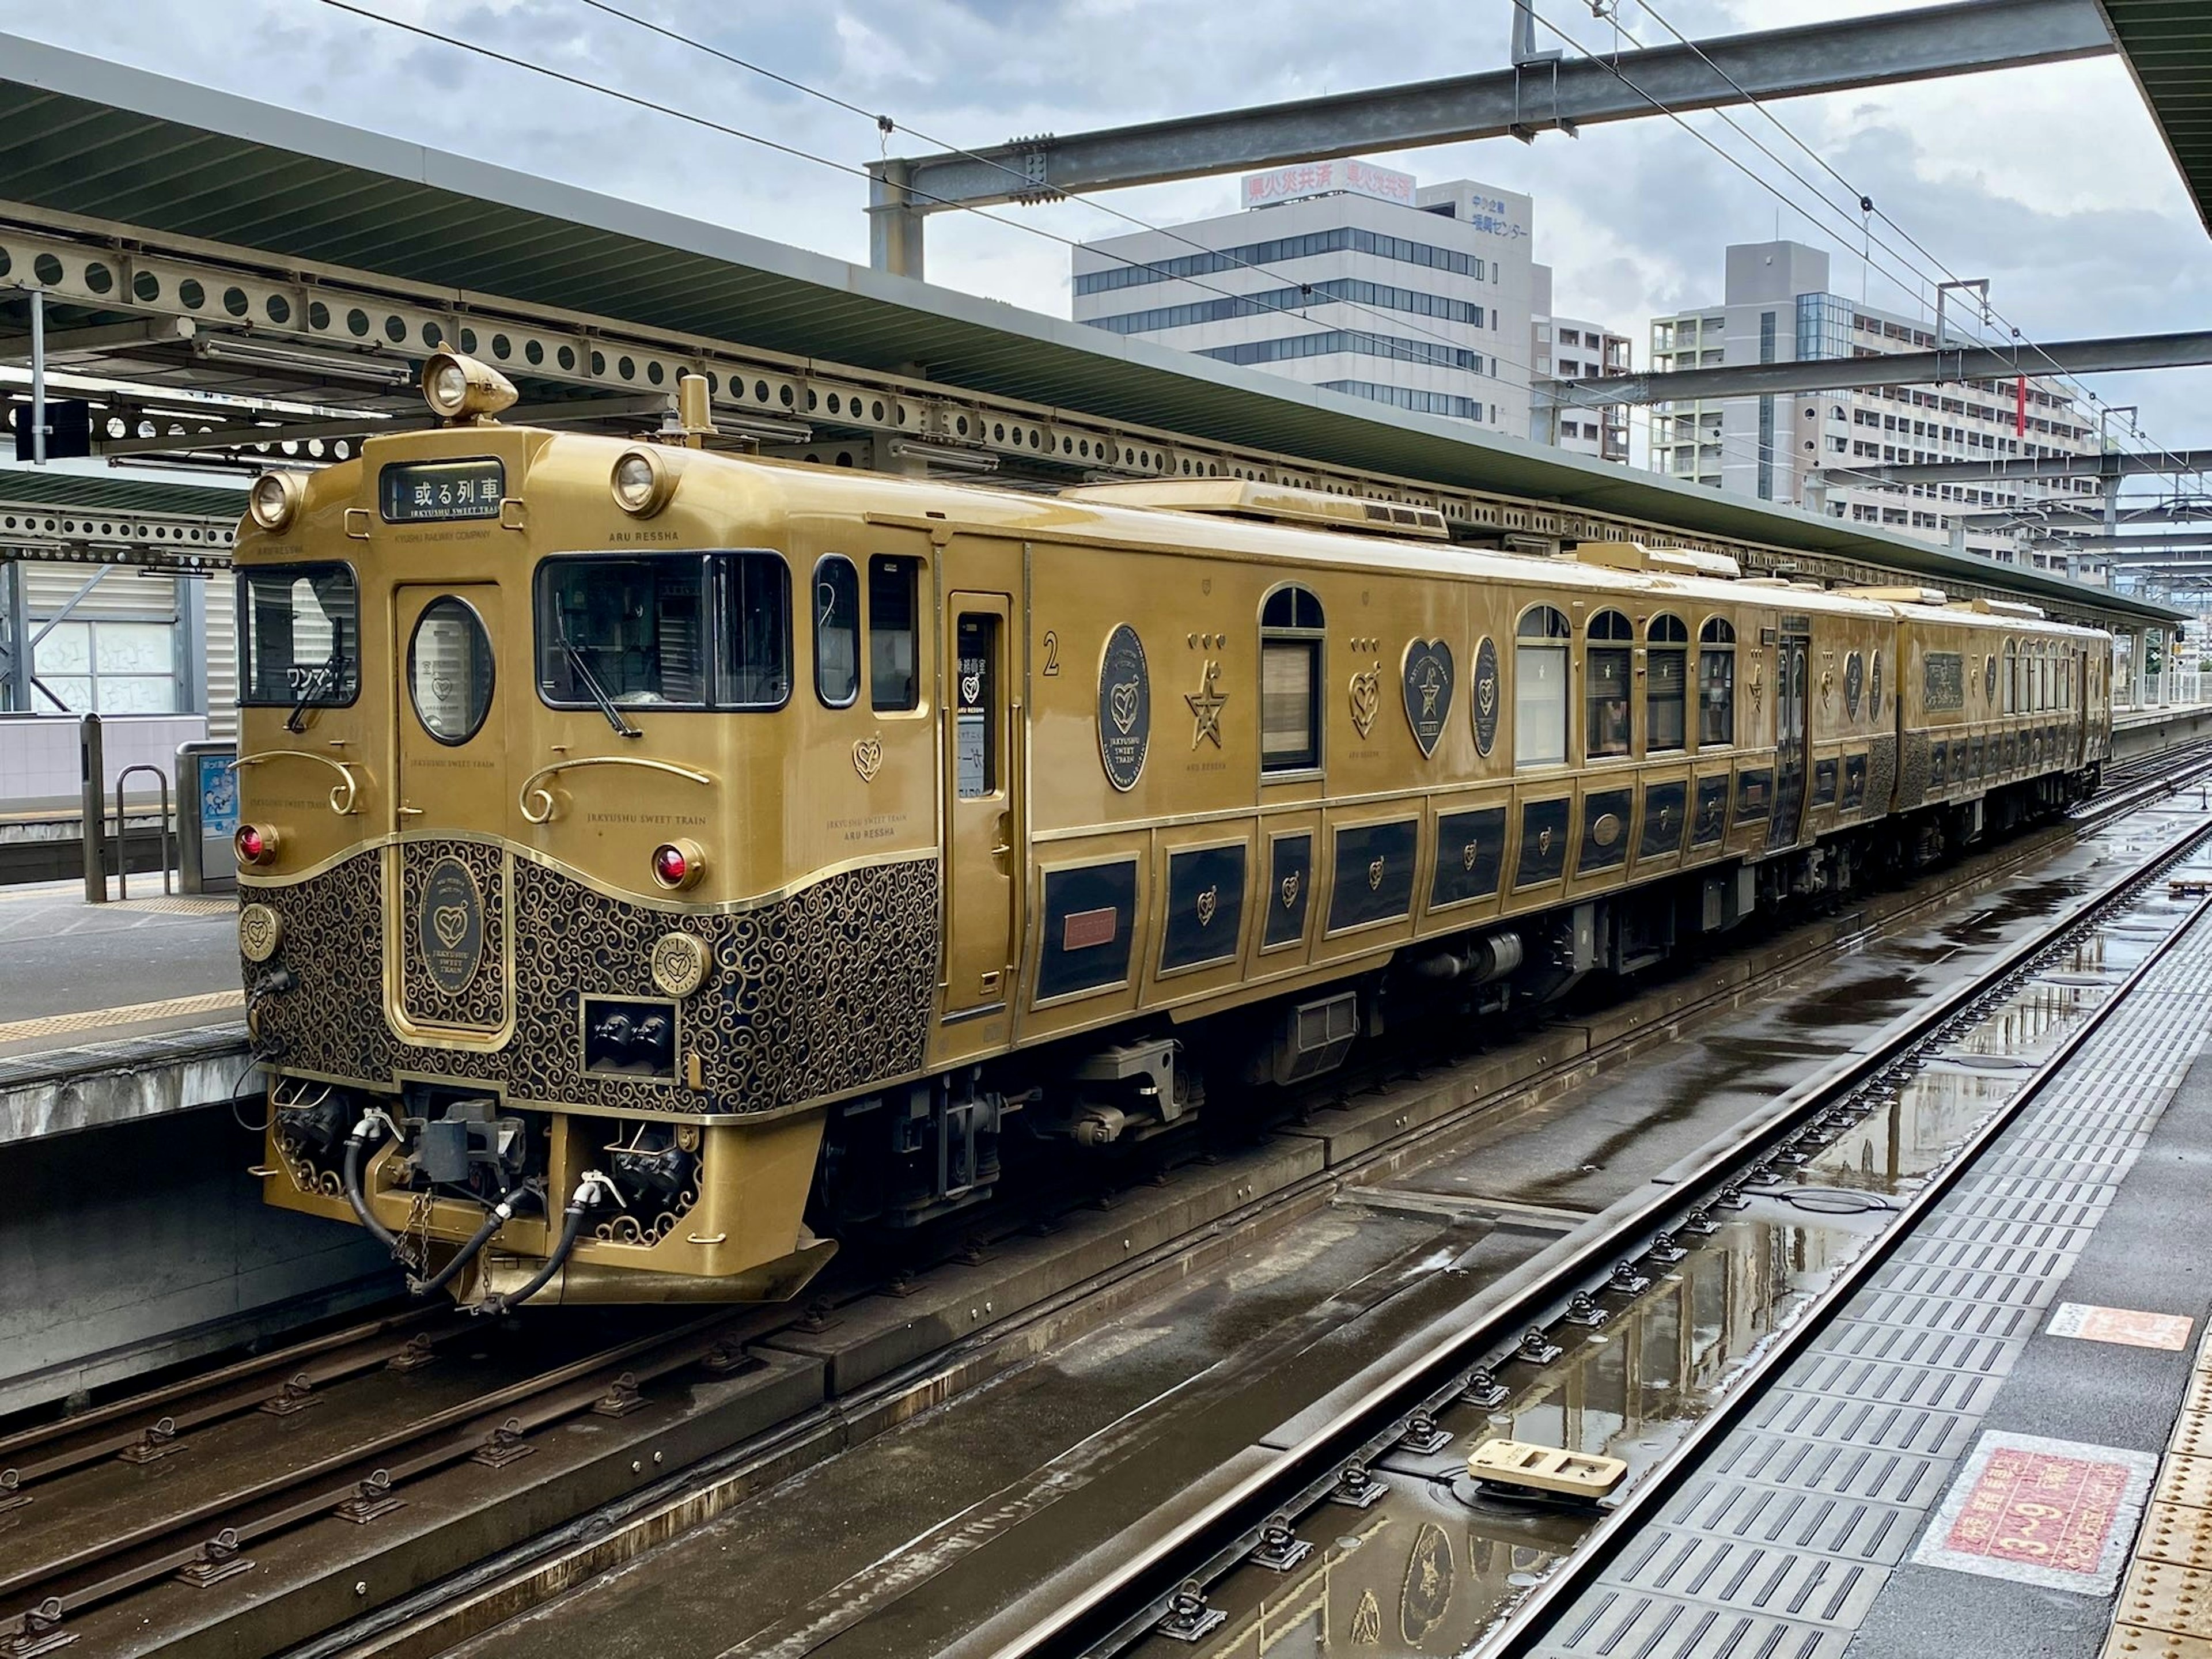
[{"x": 1205, "y": 706}]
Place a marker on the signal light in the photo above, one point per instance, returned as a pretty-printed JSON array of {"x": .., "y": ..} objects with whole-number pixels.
[
  {"x": 678, "y": 864},
  {"x": 254, "y": 845}
]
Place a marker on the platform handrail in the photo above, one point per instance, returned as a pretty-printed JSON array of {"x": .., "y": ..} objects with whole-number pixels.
[
  {"x": 123, "y": 835},
  {"x": 345, "y": 796},
  {"x": 534, "y": 791}
]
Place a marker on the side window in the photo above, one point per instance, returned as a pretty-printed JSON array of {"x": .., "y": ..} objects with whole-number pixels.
[
  {"x": 894, "y": 646},
  {"x": 1539, "y": 688},
  {"x": 975, "y": 758},
  {"x": 1717, "y": 684},
  {"x": 1666, "y": 694},
  {"x": 1291, "y": 636},
  {"x": 836, "y": 632},
  {"x": 1606, "y": 685},
  {"x": 2011, "y": 677},
  {"x": 753, "y": 594}
]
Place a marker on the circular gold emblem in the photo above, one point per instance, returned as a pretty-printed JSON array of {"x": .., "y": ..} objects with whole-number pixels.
[
  {"x": 679, "y": 963},
  {"x": 259, "y": 928},
  {"x": 1607, "y": 829}
]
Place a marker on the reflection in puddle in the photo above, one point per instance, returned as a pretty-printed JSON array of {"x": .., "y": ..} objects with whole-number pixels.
[{"x": 1423, "y": 1572}]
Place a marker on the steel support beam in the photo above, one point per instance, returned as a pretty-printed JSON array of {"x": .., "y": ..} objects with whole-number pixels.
[
  {"x": 2122, "y": 548},
  {"x": 107, "y": 340},
  {"x": 2059, "y": 516},
  {"x": 1903, "y": 368},
  {"x": 240, "y": 434},
  {"x": 2113, "y": 465},
  {"x": 1963, "y": 37}
]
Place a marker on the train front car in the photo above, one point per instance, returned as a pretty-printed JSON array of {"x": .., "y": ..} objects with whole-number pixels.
[{"x": 545, "y": 955}]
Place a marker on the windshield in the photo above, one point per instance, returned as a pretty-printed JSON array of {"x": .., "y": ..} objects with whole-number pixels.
[
  {"x": 667, "y": 630},
  {"x": 298, "y": 635}
]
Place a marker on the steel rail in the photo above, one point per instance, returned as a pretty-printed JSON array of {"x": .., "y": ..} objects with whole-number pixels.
[
  {"x": 1126, "y": 1603},
  {"x": 1529, "y": 1622}
]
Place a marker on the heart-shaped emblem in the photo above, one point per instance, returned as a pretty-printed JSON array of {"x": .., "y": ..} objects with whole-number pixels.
[
  {"x": 452, "y": 924},
  {"x": 1206, "y": 903},
  {"x": 1375, "y": 875},
  {"x": 868, "y": 757},
  {"x": 971, "y": 690},
  {"x": 1544, "y": 841},
  {"x": 1123, "y": 701},
  {"x": 1366, "y": 699},
  {"x": 1428, "y": 676},
  {"x": 1469, "y": 854},
  {"x": 1289, "y": 889}
]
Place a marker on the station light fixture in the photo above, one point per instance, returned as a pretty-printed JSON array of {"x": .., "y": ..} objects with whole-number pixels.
[
  {"x": 642, "y": 481},
  {"x": 274, "y": 500},
  {"x": 301, "y": 359},
  {"x": 255, "y": 844},
  {"x": 679, "y": 865},
  {"x": 460, "y": 389}
]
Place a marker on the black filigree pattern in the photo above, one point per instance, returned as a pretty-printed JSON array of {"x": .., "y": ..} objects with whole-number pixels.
[
  {"x": 817, "y": 994},
  {"x": 482, "y": 1003},
  {"x": 1881, "y": 775},
  {"x": 1912, "y": 777}
]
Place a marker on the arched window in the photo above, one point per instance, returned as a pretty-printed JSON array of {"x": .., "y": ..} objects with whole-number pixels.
[
  {"x": 2011, "y": 677},
  {"x": 1666, "y": 684},
  {"x": 1539, "y": 688},
  {"x": 836, "y": 631},
  {"x": 1715, "y": 683},
  {"x": 1289, "y": 681},
  {"x": 1606, "y": 685}
]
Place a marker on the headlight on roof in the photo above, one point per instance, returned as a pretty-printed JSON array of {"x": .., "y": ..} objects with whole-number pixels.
[
  {"x": 642, "y": 481},
  {"x": 273, "y": 500},
  {"x": 459, "y": 388}
]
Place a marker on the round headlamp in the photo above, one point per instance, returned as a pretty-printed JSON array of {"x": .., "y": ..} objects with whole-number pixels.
[
  {"x": 642, "y": 481},
  {"x": 273, "y": 499},
  {"x": 459, "y": 388}
]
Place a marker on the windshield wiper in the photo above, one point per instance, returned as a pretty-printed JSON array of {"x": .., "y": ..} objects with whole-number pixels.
[
  {"x": 330, "y": 675},
  {"x": 600, "y": 697}
]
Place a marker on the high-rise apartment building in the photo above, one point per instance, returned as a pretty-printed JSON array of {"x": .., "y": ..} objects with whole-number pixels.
[
  {"x": 1570, "y": 349},
  {"x": 1777, "y": 307},
  {"x": 1347, "y": 277}
]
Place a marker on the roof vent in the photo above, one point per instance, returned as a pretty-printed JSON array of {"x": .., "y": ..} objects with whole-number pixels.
[
  {"x": 1661, "y": 561},
  {"x": 1900, "y": 595},
  {"x": 2002, "y": 607},
  {"x": 1248, "y": 498}
]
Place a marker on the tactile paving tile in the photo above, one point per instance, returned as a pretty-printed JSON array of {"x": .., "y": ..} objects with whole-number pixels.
[
  {"x": 1612, "y": 1622},
  {"x": 2176, "y": 1533},
  {"x": 1935, "y": 1387},
  {"x": 2162, "y": 1596},
  {"x": 2135, "y": 1642},
  {"x": 2192, "y": 1433},
  {"x": 1862, "y": 1423},
  {"x": 1913, "y": 1345},
  {"x": 1849, "y": 1528},
  {"x": 1850, "y": 1471},
  {"x": 2183, "y": 1479},
  {"x": 1772, "y": 1583}
]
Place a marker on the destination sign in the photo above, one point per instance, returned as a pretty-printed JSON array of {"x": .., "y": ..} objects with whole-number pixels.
[{"x": 415, "y": 491}]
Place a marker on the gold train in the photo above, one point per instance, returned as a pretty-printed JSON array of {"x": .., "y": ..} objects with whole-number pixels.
[{"x": 656, "y": 861}]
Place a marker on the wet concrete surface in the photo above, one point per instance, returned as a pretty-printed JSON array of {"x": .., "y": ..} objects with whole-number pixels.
[
  {"x": 902, "y": 1543},
  {"x": 65, "y": 956}
]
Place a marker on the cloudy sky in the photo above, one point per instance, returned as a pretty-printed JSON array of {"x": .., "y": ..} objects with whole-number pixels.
[{"x": 2051, "y": 182}]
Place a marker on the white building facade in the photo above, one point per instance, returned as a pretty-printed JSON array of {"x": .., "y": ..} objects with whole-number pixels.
[
  {"x": 1576, "y": 348},
  {"x": 1344, "y": 276},
  {"x": 1796, "y": 449}
]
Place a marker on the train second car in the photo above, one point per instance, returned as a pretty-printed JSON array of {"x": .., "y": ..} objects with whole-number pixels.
[{"x": 657, "y": 862}]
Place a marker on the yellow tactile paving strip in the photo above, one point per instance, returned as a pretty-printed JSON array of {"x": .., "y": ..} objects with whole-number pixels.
[
  {"x": 2165, "y": 1609},
  {"x": 93, "y": 1019}
]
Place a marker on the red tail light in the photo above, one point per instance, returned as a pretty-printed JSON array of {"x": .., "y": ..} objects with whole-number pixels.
[
  {"x": 253, "y": 844},
  {"x": 678, "y": 863}
]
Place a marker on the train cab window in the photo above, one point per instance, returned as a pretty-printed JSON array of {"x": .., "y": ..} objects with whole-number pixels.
[
  {"x": 299, "y": 636},
  {"x": 1606, "y": 681},
  {"x": 1666, "y": 684},
  {"x": 752, "y": 607},
  {"x": 1539, "y": 688},
  {"x": 893, "y": 647},
  {"x": 1291, "y": 632},
  {"x": 1717, "y": 684},
  {"x": 836, "y": 632},
  {"x": 631, "y": 630}
]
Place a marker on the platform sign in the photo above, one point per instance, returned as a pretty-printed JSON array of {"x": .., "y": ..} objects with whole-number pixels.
[
  {"x": 207, "y": 817},
  {"x": 2050, "y": 1512},
  {"x": 2130, "y": 1328}
]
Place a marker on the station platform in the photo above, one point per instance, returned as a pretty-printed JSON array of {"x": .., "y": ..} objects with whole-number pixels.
[
  {"x": 115, "y": 1012},
  {"x": 2139, "y": 732},
  {"x": 2001, "y": 1443}
]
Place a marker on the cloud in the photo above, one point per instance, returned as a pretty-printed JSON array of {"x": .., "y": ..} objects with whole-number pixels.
[{"x": 2051, "y": 182}]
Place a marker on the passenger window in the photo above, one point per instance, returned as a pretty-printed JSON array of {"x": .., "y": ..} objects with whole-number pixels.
[
  {"x": 298, "y": 628},
  {"x": 1666, "y": 695},
  {"x": 836, "y": 632},
  {"x": 1539, "y": 688},
  {"x": 1606, "y": 687},
  {"x": 632, "y": 631},
  {"x": 975, "y": 758},
  {"x": 2011, "y": 679},
  {"x": 1291, "y": 636},
  {"x": 1717, "y": 684},
  {"x": 893, "y": 647},
  {"x": 754, "y": 593}
]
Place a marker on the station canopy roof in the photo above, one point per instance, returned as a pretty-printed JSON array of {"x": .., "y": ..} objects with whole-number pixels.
[
  {"x": 83, "y": 137},
  {"x": 2168, "y": 47}
]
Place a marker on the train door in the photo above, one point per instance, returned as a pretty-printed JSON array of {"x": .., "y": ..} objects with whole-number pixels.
[
  {"x": 982, "y": 829},
  {"x": 1791, "y": 709},
  {"x": 451, "y": 747}
]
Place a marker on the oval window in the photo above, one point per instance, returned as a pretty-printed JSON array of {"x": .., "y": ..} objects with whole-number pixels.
[{"x": 449, "y": 669}]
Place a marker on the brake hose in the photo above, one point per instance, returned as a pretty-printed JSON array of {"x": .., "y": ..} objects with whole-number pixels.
[
  {"x": 500, "y": 1215},
  {"x": 582, "y": 1202}
]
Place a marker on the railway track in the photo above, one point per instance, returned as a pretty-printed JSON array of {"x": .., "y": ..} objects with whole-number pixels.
[
  {"x": 1162, "y": 1589},
  {"x": 199, "y": 1531}
]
